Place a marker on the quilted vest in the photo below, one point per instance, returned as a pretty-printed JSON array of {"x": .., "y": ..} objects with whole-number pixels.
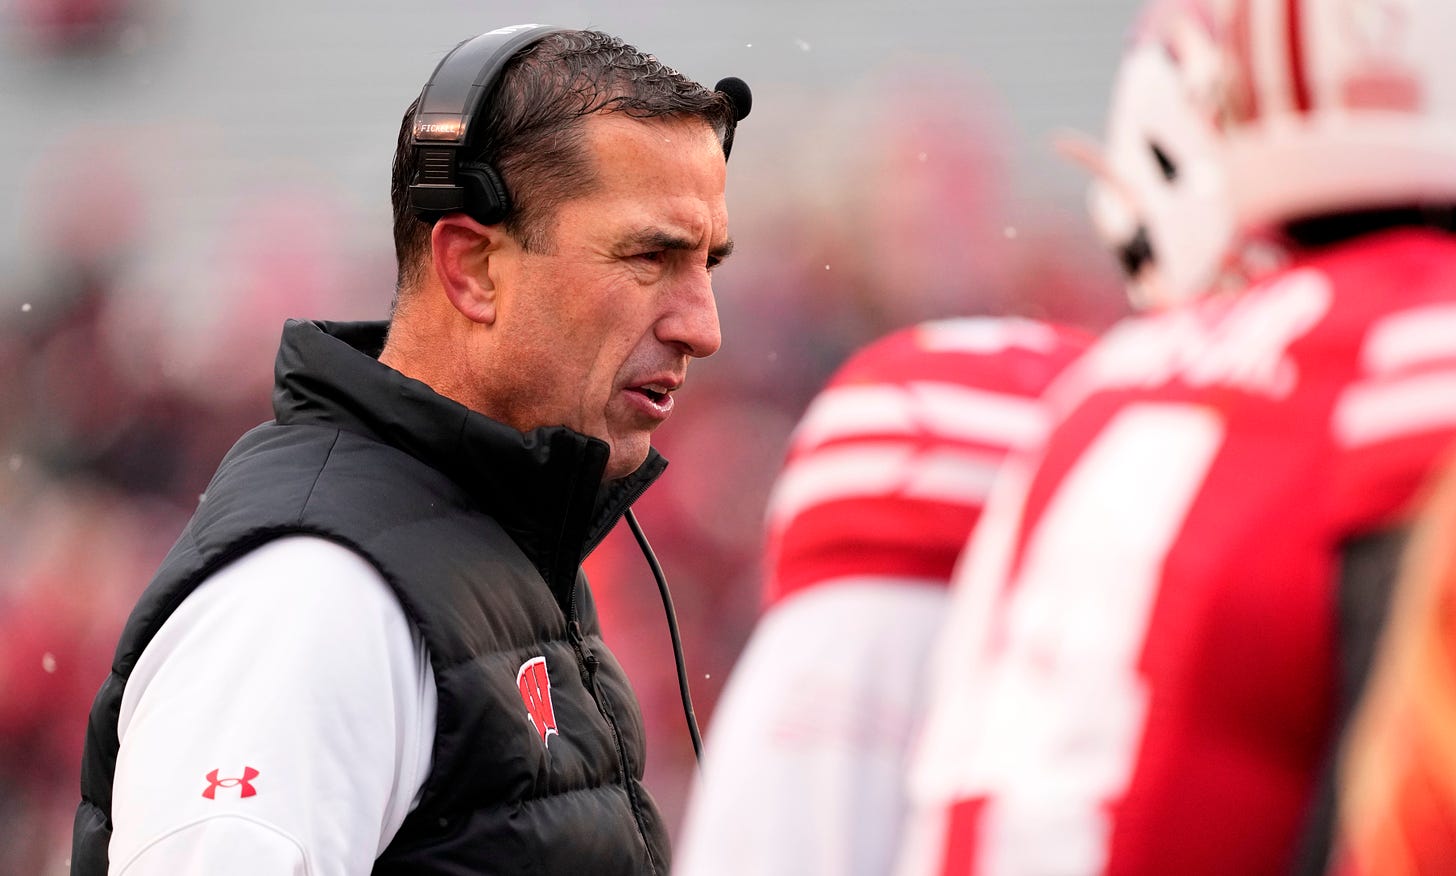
[{"x": 480, "y": 531}]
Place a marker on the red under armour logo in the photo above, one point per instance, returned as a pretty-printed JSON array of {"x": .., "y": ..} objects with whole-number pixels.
[
  {"x": 246, "y": 783},
  {"x": 535, "y": 687}
]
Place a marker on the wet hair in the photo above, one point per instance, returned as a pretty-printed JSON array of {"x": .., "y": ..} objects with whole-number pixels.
[{"x": 531, "y": 131}]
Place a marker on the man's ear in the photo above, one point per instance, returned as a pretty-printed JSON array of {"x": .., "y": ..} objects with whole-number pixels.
[{"x": 462, "y": 250}]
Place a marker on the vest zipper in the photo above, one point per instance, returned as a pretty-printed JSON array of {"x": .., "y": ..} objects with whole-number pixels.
[{"x": 587, "y": 664}]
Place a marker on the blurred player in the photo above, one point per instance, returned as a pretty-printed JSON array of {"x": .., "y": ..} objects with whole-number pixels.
[
  {"x": 1168, "y": 608},
  {"x": 885, "y": 478}
]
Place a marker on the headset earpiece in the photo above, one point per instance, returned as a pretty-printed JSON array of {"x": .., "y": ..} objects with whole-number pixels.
[{"x": 486, "y": 198}]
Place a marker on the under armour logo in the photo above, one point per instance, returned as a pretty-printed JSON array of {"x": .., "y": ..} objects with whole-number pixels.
[
  {"x": 535, "y": 686},
  {"x": 245, "y": 783}
]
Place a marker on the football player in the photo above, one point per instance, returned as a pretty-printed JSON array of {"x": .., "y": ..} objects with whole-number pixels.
[
  {"x": 886, "y": 476},
  {"x": 1168, "y": 608}
]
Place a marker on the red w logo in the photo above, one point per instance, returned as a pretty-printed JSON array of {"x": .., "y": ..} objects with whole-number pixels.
[
  {"x": 535, "y": 687},
  {"x": 245, "y": 783}
]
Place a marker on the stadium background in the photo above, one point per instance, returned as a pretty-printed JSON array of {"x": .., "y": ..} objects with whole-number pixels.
[{"x": 181, "y": 175}]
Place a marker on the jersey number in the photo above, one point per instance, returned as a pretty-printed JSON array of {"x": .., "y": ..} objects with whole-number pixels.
[{"x": 1065, "y": 703}]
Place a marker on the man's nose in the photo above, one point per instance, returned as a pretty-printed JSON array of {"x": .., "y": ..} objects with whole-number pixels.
[{"x": 692, "y": 322}]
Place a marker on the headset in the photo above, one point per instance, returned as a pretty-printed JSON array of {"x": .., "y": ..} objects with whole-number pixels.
[
  {"x": 445, "y": 120},
  {"x": 449, "y": 104},
  {"x": 441, "y": 131}
]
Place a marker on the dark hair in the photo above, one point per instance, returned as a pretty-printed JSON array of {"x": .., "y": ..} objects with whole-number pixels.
[{"x": 530, "y": 131}]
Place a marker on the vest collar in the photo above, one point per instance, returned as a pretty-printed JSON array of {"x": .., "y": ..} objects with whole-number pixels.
[{"x": 544, "y": 487}]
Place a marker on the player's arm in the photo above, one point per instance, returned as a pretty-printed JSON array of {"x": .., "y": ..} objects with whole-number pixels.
[
  {"x": 805, "y": 757},
  {"x": 280, "y": 722},
  {"x": 1369, "y": 568}
]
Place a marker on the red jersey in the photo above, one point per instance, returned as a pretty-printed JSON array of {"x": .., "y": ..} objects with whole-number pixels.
[
  {"x": 892, "y": 463},
  {"x": 888, "y": 471},
  {"x": 1138, "y": 675}
]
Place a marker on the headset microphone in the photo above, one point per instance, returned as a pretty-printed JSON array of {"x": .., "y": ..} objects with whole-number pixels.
[
  {"x": 738, "y": 94},
  {"x": 741, "y": 98}
]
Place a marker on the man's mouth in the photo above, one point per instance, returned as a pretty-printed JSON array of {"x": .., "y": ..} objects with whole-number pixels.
[
  {"x": 657, "y": 395},
  {"x": 655, "y": 391}
]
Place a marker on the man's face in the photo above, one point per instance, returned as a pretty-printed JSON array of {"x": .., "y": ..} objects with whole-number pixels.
[{"x": 596, "y": 333}]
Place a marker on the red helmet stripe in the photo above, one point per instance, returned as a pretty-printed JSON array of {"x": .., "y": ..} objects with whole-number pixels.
[
  {"x": 1299, "y": 83},
  {"x": 1246, "y": 97}
]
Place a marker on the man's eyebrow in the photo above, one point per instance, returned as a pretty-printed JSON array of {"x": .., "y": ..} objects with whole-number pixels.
[{"x": 657, "y": 238}]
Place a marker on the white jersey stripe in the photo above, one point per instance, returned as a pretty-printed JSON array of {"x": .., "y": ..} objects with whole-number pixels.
[
  {"x": 995, "y": 418},
  {"x": 834, "y": 474},
  {"x": 847, "y": 411},
  {"x": 944, "y": 411},
  {"x": 1375, "y": 411},
  {"x": 1410, "y": 339},
  {"x": 881, "y": 469},
  {"x": 986, "y": 336},
  {"x": 953, "y": 476}
]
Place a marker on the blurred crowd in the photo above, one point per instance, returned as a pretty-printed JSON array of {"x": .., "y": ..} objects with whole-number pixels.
[
  {"x": 133, "y": 359},
  {"x": 124, "y": 385}
]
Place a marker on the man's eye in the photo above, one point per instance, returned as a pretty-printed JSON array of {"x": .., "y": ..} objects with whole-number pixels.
[
  {"x": 713, "y": 262},
  {"x": 653, "y": 256}
]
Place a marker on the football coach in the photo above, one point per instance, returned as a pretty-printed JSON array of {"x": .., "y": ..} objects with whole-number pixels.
[{"x": 373, "y": 648}]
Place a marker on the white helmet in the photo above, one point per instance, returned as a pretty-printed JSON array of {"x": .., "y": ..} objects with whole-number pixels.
[
  {"x": 1158, "y": 198},
  {"x": 1329, "y": 106}
]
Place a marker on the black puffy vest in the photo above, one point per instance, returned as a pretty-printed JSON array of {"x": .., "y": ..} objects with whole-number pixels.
[{"x": 480, "y": 531}]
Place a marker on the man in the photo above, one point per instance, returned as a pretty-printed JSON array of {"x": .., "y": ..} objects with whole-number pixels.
[
  {"x": 372, "y": 647},
  {"x": 887, "y": 475},
  {"x": 1166, "y": 609}
]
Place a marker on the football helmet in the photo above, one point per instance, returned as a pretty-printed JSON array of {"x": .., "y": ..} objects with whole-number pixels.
[
  {"x": 1335, "y": 106},
  {"x": 1158, "y": 197}
]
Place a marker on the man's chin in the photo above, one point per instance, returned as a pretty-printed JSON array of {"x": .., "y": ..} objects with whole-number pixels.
[{"x": 626, "y": 457}]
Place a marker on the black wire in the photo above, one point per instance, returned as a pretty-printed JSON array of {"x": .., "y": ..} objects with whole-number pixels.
[{"x": 677, "y": 651}]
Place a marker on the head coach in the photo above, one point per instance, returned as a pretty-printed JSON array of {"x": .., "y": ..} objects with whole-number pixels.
[{"x": 372, "y": 648}]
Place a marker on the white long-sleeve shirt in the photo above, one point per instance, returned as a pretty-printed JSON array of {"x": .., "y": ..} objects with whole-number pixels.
[
  {"x": 280, "y": 722},
  {"x": 805, "y": 760}
]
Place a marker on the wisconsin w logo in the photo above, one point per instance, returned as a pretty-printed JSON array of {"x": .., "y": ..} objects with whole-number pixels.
[{"x": 535, "y": 686}]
